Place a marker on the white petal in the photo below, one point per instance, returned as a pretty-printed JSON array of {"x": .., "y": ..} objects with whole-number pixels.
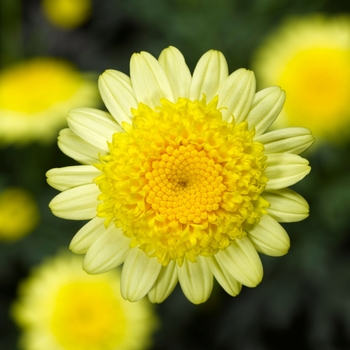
[
  {"x": 196, "y": 280},
  {"x": 289, "y": 140},
  {"x": 117, "y": 94},
  {"x": 149, "y": 81},
  {"x": 175, "y": 67},
  {"x": 87, "y": 235},
  {"x": 108, "y": 251},
  {"x": 285, "y": 169},
  {"x": 210, "y": 71},
  {"x": 78, "y": 149},
  {"x": 78, "y": 203},
  {"x": 286, "y": 205},
  {"x": 94, "y": 126},
  {"x": 164, "y": 284},
  {"x": 138, "y": 275},
  {"x": 269, "y": 237},
  {"x": 236, "y": 94},
  {"x": 241, "y": 259},
  {"x": 71, "y": 176},
  {"x": 266, "y": 106},
  {"x": 225, "y": 279}
]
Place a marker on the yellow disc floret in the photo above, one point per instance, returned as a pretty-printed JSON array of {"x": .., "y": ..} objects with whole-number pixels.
[{"x": 181, "y": 181}]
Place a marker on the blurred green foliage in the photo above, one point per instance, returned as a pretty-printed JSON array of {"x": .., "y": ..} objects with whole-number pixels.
[{"x": 303, "y": 301}]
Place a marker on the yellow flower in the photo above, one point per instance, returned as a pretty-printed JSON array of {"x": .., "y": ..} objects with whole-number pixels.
[
  {"x": 35, "y": 96},
  {"x": 179, "y": 180},
  {"x": 67, "y": 14},
  {"x": 60, "y": 307},
  {"x": 19, "y": 214},
  {"x": 310, "y": 58}
]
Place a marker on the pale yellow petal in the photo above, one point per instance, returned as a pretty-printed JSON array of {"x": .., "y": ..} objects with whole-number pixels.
[
  {"x": 225, "y": 279},
  {"x": 196, "y": 280},
  {"x": 93, "y": 126},
  {"x": 108, "y": 251},
  {"x": 286, "y": 205},
  {"x": 289, "y": 140},
  {"x": 165, "y": 283},
  {"x": 149, "y": 81},
  {"x": 175, "y": 67},
  {"x": 138, "y": 275},
  {"x": 72, "y": 176},
  {"x": 209, "y": 73},
  {"x": 87, "y": 235},
  {"x": 78, "y": 203},
  {"x": 285, "y": 169},
  {"x": 269, "y": 237},
  {"x": 117, "y": 94},
  {"x": 78, "y": 149},
  {"x": 242, "y": 261},
  {"x": 236, "y": 94},
  {"x": 266, "y": 106}
]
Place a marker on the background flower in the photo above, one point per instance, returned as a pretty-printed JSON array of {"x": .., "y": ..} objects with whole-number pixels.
[
  {"x": 67, "y": 14},
  {"x": 35, "y": 96},
  {"x": 310, "y": 57},
  {"x": 61, "y": 307},
  {"x": 19, "y": 214}
]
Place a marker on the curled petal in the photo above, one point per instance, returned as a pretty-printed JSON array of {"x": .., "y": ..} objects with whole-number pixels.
[
  {"x": 108, "y": 251},
  {"x": 286, "y": 205},
  {"x": 289, "y": 140},
  {"x": 175, "y": 67},
  {"x": 285, "y": 169},
  {"x": 196, "y": 280},
  {"x": 165, "y": 283},
  {"x": 78, "y": 203},
  {"x": 269, "y": 237},
  {"x": 138, "y": 275},
  {"x": 242, "y": 261}
]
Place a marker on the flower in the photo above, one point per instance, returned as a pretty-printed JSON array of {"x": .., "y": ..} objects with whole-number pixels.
[
  {"x": 35, "y": 96},
  {"x": 19, "y": 213},
  {"x": 310, "y": 58},
  {"x": 60, "y": 307},
  {"x": 67, "y": 14},
  {"x": 180, "y": 182}
]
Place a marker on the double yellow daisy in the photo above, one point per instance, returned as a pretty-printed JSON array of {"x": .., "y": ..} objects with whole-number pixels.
[{"x": 179, "y": 180}]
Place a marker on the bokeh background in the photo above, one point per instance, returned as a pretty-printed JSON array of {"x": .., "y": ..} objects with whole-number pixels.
[{"x": 304, "y": 299}]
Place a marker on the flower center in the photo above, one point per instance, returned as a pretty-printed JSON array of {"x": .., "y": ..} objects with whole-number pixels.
[
  {"x": 181, "y": 182},
  {"x": 88, "y": 316}
]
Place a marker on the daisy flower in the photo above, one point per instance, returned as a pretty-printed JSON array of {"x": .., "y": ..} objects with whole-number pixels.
[
  {"x": 19, "y": 213},
  {"x": 179, "y": 180},
  {"x": 35, "y": 96},
  {"x": 60, "y": 307},
  {"x": 310, "y": 57}
]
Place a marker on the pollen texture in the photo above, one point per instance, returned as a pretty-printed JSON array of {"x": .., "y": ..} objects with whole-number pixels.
[{"x": 181, "y": 181}]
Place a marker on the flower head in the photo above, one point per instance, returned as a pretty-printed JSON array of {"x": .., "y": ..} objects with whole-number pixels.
[
  {"x": 310, "y": 58},
  {"x": 35, "y": 96},
  {"x": 67, "y": 14},
  {"x": 61, "y": 307},
  {"x": 19, "y": 214},
  {"x": 180, "y": 182}
]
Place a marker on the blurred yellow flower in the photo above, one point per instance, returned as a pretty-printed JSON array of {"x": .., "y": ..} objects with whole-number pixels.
[
  {"x": 67, "y": 14},
  {"x": 19, "y": 214},
  {"x": 35, "y": 96},
  {"x": 60, "y": 307},
  {"x": 310, "y": 58}
]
